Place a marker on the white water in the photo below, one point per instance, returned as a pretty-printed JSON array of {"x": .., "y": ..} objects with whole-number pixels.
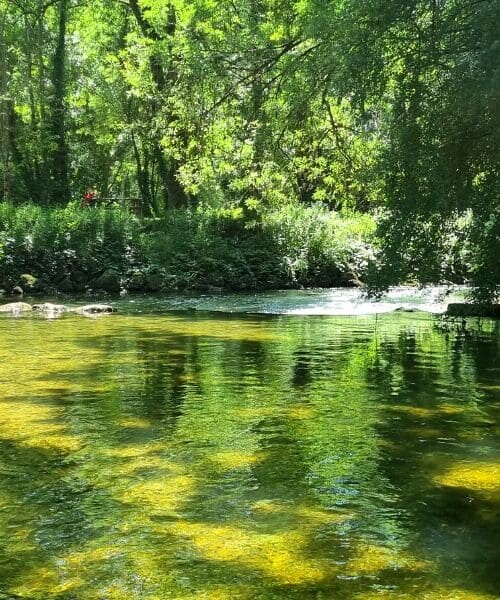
[{"x": 335, "y": 301}]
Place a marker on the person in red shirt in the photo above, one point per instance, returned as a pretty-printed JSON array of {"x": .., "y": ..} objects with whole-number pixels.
[{"x": 89, "y": 198}]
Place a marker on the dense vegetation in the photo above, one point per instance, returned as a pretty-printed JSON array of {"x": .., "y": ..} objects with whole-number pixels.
[
  {"x": 69, "y": 249},
  {"x": 223, "y": 124}
]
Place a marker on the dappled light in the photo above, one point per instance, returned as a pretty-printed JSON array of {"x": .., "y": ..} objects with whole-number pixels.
[
  {"x": 480, "y": 477},
  {"x": 278, "y": 556},
  {"x": 201, "y": 457},
  {"x": 36, "y": 426}
]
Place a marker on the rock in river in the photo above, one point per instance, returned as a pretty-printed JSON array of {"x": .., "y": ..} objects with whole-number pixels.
[
  {"x": 48, "y": 307},
  {"x": 95, "y": 308},
  {"x": 15, "y": 307}
]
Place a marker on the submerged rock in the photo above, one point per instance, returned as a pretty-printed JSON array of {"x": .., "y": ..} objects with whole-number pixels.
[
  {"x": 463, "y": 309},
  {"x": 95, "y": 309},
  {"x": 15, "y": 307},
  {"x": 48, "y": 307}
]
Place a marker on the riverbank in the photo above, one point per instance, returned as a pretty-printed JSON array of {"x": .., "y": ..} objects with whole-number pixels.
[{"x": 70, "y": 250}]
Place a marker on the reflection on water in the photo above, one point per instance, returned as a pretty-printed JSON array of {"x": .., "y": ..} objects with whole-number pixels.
[{"x": 194, "y": 456}]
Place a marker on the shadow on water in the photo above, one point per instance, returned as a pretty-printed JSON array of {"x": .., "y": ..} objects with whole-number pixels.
[
  {"x": 225, "y": 458},
  {"x": 444, "y": 451}
]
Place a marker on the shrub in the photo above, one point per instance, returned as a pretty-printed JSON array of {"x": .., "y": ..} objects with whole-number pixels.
[{"x": 288, "y": 247}]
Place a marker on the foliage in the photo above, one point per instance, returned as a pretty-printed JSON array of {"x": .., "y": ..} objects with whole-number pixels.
[
  {"x": 257, "y": 106},
  {"x": 191, "y": 248},
  {"x": 61, "y": 243},
  {"x": 429, "y": 73}
]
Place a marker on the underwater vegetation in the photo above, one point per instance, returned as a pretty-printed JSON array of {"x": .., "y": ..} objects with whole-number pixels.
[{"x": 204, "y": 456}]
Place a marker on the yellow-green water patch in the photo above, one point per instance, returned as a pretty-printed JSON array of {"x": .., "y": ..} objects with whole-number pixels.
[
  {"x": 279, "y": 556},
  {"x": 480, "y": 477},
  {"x": 160, "y": 495},
  {"x": 36, "y": 425},
  {"x": 370, "y": 559},
  {"x": 228, "y": 459}
]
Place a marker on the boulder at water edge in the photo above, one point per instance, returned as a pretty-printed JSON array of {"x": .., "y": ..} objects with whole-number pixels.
[
  {"x": 48, "y": 307},
  {"x": 15, "y": 307}
]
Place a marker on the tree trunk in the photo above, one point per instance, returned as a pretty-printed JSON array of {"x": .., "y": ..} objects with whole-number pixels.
[
  {"x": 59, "y": 191},
  {"x": 168, "y": 170},
  {"x": 4, "y": 114},
  {"x": 142, "y": 174}
]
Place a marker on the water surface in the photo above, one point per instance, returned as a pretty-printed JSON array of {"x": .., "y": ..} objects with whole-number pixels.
[
  {"x": 194, "y": 455},
  {"x": 331, "y": 301}
]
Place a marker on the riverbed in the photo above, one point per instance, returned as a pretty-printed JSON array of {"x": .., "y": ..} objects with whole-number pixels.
[{"x": 265, "y": 446}]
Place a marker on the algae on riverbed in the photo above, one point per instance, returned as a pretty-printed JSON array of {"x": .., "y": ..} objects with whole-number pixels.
[{"x": 202, "y": 456}]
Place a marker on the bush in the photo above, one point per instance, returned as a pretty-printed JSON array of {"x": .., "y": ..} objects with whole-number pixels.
[
  {"x": 56, "y": 243},
  {"x": 292, "y": 246}
]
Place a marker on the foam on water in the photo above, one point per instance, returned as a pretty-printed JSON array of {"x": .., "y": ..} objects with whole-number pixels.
[{"x": 335, "y": 301}]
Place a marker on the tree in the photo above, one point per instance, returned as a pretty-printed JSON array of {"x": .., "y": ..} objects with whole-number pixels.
[
  {"x": 431, "y": 70},
  {"x": 58, "y": 155},
  {"x": 256, "y": 104},
  {"x": 164, "y": 75}
]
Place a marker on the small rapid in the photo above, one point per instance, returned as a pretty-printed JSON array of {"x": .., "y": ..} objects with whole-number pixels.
[{"x": 328, "y": 302}]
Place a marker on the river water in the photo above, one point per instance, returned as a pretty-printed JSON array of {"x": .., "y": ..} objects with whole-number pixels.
[{"x": 187, "y": 449}]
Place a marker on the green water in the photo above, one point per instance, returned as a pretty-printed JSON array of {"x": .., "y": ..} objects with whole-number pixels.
[{"x": 222, "y": 456}]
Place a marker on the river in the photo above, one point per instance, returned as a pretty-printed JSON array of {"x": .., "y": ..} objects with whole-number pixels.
[{"x": 278, "y": 446}]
